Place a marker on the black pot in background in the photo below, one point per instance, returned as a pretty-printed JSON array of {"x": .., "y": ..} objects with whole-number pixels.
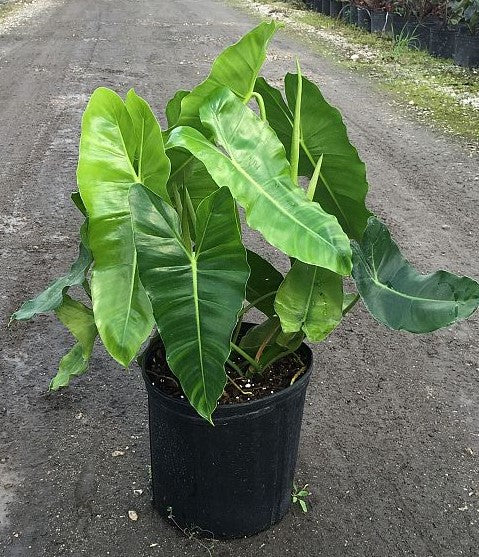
[
  {"x": 344, "y": 13},
  {"x": 387, "y": 23},
  {"x": 353, "y": 14},
  {"x": 442, "y": 41},
  {"x": 397, "y": 24},
  {"x": 317, "y": 5},
  {"x": 334, "y": 8},
  {"x": 378, "y": 21},
  {"x": 364, "y": 19},
  {"x": 466, "y": 49},
  {"x": 420, "y": 33},
  {"x": 326, "y": 7},
  {"x": 233, "y": 479}
]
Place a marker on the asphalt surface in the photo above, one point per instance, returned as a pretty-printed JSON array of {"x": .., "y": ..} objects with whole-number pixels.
[{"x": 390, "y": 440}]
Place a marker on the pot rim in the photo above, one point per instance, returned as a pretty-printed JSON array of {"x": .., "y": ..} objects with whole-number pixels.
[{"x": 228, "y": 410}]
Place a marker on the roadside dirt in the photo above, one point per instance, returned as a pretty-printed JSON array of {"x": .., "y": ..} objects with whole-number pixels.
[{"x": 391, "y": 431}]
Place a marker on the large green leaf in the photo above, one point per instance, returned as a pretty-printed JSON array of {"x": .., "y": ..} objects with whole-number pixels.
[
  {"x": 401, "y": 298},
  {"x": 173, "y": 107},
  {"x": 151, "y": 164},
  {"x": 342, "y": 184},
  {"x": 111, "y": 144},
  {"x": 52, "y": 296},
  {"x": 199, "y": 183},
  {"x": 310, "y": 299},
  {"x": 267, "y": 342},
  {"x": 237, "y": 68},
  {"x": 259, "y": 180},
  {"x": 263, "y": 280},
  {"x": 195, "y": 296},
  {"x": 80, "y": 322}
]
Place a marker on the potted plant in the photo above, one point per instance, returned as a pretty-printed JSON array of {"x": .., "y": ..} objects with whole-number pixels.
[
  {"x": 161, "y": 249},
  {"x": 465, "y": 14},
  {"x": 364, "y": 15},
  {"x": 443, "y": 35},
  {"x": 421, "y": 18}
]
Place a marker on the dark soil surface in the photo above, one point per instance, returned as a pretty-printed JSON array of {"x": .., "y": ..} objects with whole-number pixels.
[
  {"x": 390, "y": 437},
  {"x": 239, "y": 388}
]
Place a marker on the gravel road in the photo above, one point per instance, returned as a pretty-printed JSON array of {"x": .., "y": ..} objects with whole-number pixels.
[{"x": 390, "y": 441}]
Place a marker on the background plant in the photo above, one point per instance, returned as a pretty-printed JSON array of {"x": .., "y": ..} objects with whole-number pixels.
[{"x": 466, "y": 12}]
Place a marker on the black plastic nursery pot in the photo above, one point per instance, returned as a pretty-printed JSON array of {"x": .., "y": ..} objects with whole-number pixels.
[
  {"x": 232, "y": 479},
  {"x": 334, "y": 8},
  {"x": 442, "y": 41},
  {"x": 364, "y": 19},
  {"x": 420, "y": 33},
  {"x": 326, "y": 7},
  {"x": 386, "y": 23},
  {"x": 344, "y": 12},
  {"x": 378, "y": 21},
  {"x": 466, "y": 49},
  {"x": 353, "y": 14}
]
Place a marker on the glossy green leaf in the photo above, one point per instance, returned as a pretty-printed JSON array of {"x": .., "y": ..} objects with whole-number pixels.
[
  {"x": 263, "y": 336},
  {"x": 264, "y": 279},
  {"x": 310, "y": 299},
  {"x": 52, "y": 296},
  {"x": 195, "y": 297},
  {"x": 77, "y": 200},
  {"x": 173, "y": 107},
  {"x": 261, "y": 341},
  {"x": 349, "y": 301},
  {"x": 259, "y": 180},
  {"x": 80, "y": 322},
  {"x": 109, "y": 147},
  {"x": 342, "y": 184},
  {"x": 151, "y": 163},
  {"x": 199, "y": 183},
  {"x": 400, "y": 297},
  {"x": 237, "y": 68}
]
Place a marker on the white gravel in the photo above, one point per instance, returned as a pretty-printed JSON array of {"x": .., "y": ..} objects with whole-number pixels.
[{"x": 22, "y": 11}]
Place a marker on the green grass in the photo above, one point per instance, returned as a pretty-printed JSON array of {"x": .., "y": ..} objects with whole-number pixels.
[{"x": 434, "y": 89}]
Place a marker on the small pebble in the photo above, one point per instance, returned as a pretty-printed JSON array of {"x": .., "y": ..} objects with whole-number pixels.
[
  {"x": 117, "y": 453},
  {"x": 132, "y": 515}
]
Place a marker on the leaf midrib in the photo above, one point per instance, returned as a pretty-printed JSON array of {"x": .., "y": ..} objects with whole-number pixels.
[
  {"x": 375, "y": 279},
  {"x": 311, "y": 159},
  {"x": 260, "y": 189}
]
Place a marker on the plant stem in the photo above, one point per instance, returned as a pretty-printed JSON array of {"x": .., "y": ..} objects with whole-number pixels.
[
  {"x": 314, "y": 179},
  {"x": 278, "y": 357},
  {"x": 263, "y": 345},
  {"x": 262, "y": 109},
  {"x": 349, "y": 307},
  {"x": 254, "y": 302},
  {"x": 86, "y": 288},
  {"x": 238, "y": 370},
  {"x": 296, "y": 127},
  {"x": 185, "y": 223},
  {"x": 297, "y": 374},
  {"x": 246, "y": 356},
  {"x": 237, "y": 386},
  {"x": 191, "y": 209},
  {"x": 237, "y": 329},
  {"x": 184, "y": 229}
]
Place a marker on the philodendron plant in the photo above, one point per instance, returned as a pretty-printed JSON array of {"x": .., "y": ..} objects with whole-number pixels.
[{"x": 161, "y": 241}]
